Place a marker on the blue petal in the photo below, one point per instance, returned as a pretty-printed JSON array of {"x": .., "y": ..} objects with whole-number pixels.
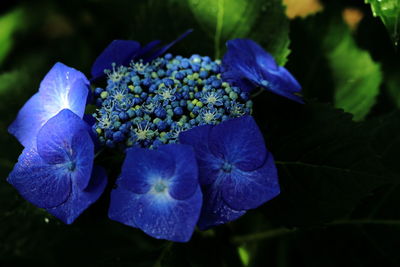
[
  {"x": 161, "y": 217},
  {"x": 208, "y": 163},
  {"x": 119, "y": 52},
  {"x": 83, "y": 154},
  {"x": 185, "y": 180},
  {"x": 146, "y": 50},
  {"x": 122, "y": 206},
  {"x": 65, "y": 138},
  {"x": 247, "y": 66},
  {"x": 42, "y": 184},
  {"x": 55, "y": 137},
  {"x": 81, "y": 200},
  {"x": 239, "y": 142},
  {"x": 247, "y": 190},
  {"x": 242, "y": 61},
  {"x": 62, "y": 88},
  {"x": 142, "y": 167},
  {"x": 165, "y": 48},
  {"x": 245, "y": 52},
  {"x": 283, "y": 83},
  {"x": 215, "y": 211},
  {"x": 30, "y": 119}
]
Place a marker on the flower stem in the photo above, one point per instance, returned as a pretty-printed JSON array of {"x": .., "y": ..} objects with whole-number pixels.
[{"x": 218, "y": 29}]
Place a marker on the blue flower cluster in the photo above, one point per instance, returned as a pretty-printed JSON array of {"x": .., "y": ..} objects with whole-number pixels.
[
  {"x": 193, "y": 154},
  {"x": 147, "y": 105}
]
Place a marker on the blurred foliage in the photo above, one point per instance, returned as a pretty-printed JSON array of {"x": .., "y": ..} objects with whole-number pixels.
[
  {"x": 339, "y": 170},
  {"x": 356, "y": 76},
  {"x": 9, "y": 25},
  {"x": 223, "y": 20}
]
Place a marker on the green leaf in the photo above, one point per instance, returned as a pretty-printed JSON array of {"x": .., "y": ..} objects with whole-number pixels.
[
  {"x": 356, "y": 76},
  {"x": 262, "y": 21},
  {"x": 9, "y": 24},
  {"x": 389, "y": 12}
]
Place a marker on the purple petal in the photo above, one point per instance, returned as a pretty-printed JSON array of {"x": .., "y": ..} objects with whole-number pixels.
[
  {"x": 184, "y": 182},
  {"x": 42, "y": 184},
  {"x": 62, "y": 88},
  {"x": 239, "y": 142},
  {"x": 161, "y": 217},
  {"x": 247, "y": 190},
  {"x": 65, "y": 138},
  {"x": 119, "y": 52},
  {"x": 143, "y": 167},
  {"x": 80, "y": 200},
  {"x": 208, "y": 164},
  {"x": 215, "y": 211}
]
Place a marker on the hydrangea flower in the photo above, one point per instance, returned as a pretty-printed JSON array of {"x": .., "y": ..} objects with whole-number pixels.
[
  {"x": 194, "y": 155},
  {"x": 158, "y": 192},
  {"x": 236, "y": 171},
  {"x": 56, "y": 174},
  {"x": 248, "y": 66},
  {"x": 62, "y": 88}
]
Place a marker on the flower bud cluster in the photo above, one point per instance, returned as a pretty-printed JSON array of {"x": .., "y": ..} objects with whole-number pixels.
[{"x": 146, "y": 105}]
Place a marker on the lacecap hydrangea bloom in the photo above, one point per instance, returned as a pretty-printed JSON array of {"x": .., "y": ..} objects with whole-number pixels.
[{"x": 194, "y": 156}]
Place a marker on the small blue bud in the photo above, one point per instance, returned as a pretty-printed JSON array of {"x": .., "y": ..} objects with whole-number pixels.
[
  {"x": 139, "y": 113},
  {"x": 216, "y": 83},
  {"x": 143, "y": 95},
  {"x": 118, "y": 136},
  {"x": 161, "y": 126},
  {"x": 152, "y": 88},
  {"x": 244, "y": 95},
  {"x": 160, "y": 112},
  {"x": 98, "y": 91},
  {"x": 146, "y": 82},
  {"x": 179, "y": 76},
  {"x": 190, "y": 106},
  {"x": 169, "y": 82},
  {"x": 195, "y": 67},
  {"x": 137, "y": 90},
  {"x": 123, "y": 116},
  {"x": 168, "y": 56},
  {"x": 178, "y": 111},
  {"x": 185, "y": 64},
  {"x": 175, "y": 104},
  {"x": 131, "y": 113},
  {"x": 203, "y": 74}
]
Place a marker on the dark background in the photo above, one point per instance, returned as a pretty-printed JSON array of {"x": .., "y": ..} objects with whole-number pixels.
[{"x": 337, "y": 155}]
